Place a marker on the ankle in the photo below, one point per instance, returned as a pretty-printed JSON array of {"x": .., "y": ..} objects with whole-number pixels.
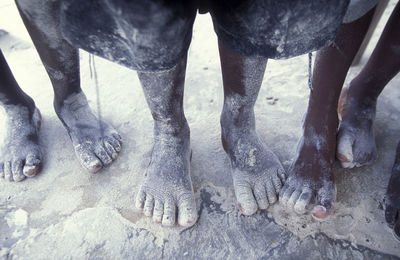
[
  {"x": 170, "y": 128},
  {"x": 241, "y": 119},
  {"x": 72, "y": 102},
  {"x": 22, "y": 109},
  {"x": 363, "y": 92}
]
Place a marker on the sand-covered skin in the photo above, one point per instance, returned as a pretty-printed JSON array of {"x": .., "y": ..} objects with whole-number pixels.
[
  {"x": 96, "y": 144},
  {"x": 20, "y": 154},
  {"x": 356, "y": 141},
  {"x": 257, "y": 172},
  {"x": 64, "y": 212},
  {"x": 166, "y": 193}
]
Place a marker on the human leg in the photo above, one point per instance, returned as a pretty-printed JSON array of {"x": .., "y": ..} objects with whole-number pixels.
[
  {"x": 311, "y": 174},
  {"x": 20, "y": 153},
  {"x": 96, "y": 143},
  {"x": 357, "y": 105},
  {"x": 256, "y": 171},
  {"x": 166, "y": 189}
]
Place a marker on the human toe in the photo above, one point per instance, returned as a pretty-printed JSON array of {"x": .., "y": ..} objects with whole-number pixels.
[
  {"x": 158, "y": 211},
  {"x": 365, "y": 158},
  {"x": 17, "y": 171},
  {"x": 115, "y": 142},
  {"x": 88, "y": 159},
  {"x": 7, "y": 171},
  {"x": 324, "y": 204},
  {"x": 300, "y": 207},
  {"x": 281, "y": 173},
  {"x": 293, "y": 198},
  {"x": 140, "y": 199},
  {"x": 260, "y": 195},
  {"x": 277, "y": 183},
  {"x": 110, "y": 149},
  {"x": 286, "y": 193},
  {"x": 345, "y": 150},
  {"x": 271, "y": 192},
  {"x": 102, "y": 155},
  {"x": 33, "y": 165},
  {"x": 117, "y": 136},
  {"x": 187, "y": 212},
  {"x": 245, "y": 199},
  {"x": 391, "y": 215},
  {"x": 148, "y": 206},
  {"x": 169, "y": 216}
]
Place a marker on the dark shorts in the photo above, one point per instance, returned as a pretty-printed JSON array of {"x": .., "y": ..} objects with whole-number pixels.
[{"x": 155, "y": 35}]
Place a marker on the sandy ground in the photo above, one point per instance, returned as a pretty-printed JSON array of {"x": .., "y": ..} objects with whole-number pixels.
[{"x": 66, "y": 212}]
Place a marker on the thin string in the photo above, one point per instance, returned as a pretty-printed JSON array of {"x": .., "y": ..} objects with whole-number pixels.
[
  {"x": 93, "y": 74},
  {"x": 310, "y": 71}
]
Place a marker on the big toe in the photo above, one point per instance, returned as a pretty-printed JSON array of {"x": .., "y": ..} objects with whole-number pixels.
[
  {"x": 187, "y": 212},
  {"x": 88, "y": 159},
  {"x": 324, "y": 204},
  {"x": 33, "y": 165},
  {"x": 320, "y": 212},
  {"x": 345, "y": 150},
  {"x": 245, "y": 199}
]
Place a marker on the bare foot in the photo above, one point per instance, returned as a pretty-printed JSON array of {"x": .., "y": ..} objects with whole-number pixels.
[
  {"x": 96, "y": 144},
  {"x": 20, "y": 154},
  {"x": 167, "y": 190},
  {"x": 392, "y": 201},
  {"x": 311, "y": 176},
  {"x": 356, "y": 142},
  {"x": 257, "y": 172}
]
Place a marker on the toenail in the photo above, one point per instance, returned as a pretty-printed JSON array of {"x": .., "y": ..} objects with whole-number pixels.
[
  {"x": 31, "y": 171},
  {"x": 319, "y": 212},
  {"x": 342, "y": 158}
]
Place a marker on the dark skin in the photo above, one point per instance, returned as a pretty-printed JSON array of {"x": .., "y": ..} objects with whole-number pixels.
[
  {"x": 96, "y": 144},
  {"x": 252, "y": 162},
  {"x": 257, "y": 172},
  {"x": 357, "y": 107},
  {"x": 13, "y": 94},
  {"x": 20, "y": 154},
  {"x": 392, "y": 201},
  {"x": 357, "y": 103},
  {"x": 65, "y": 61},
  {"x": 311, "y": 174},
  {"x": 166, "y": 191}
]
